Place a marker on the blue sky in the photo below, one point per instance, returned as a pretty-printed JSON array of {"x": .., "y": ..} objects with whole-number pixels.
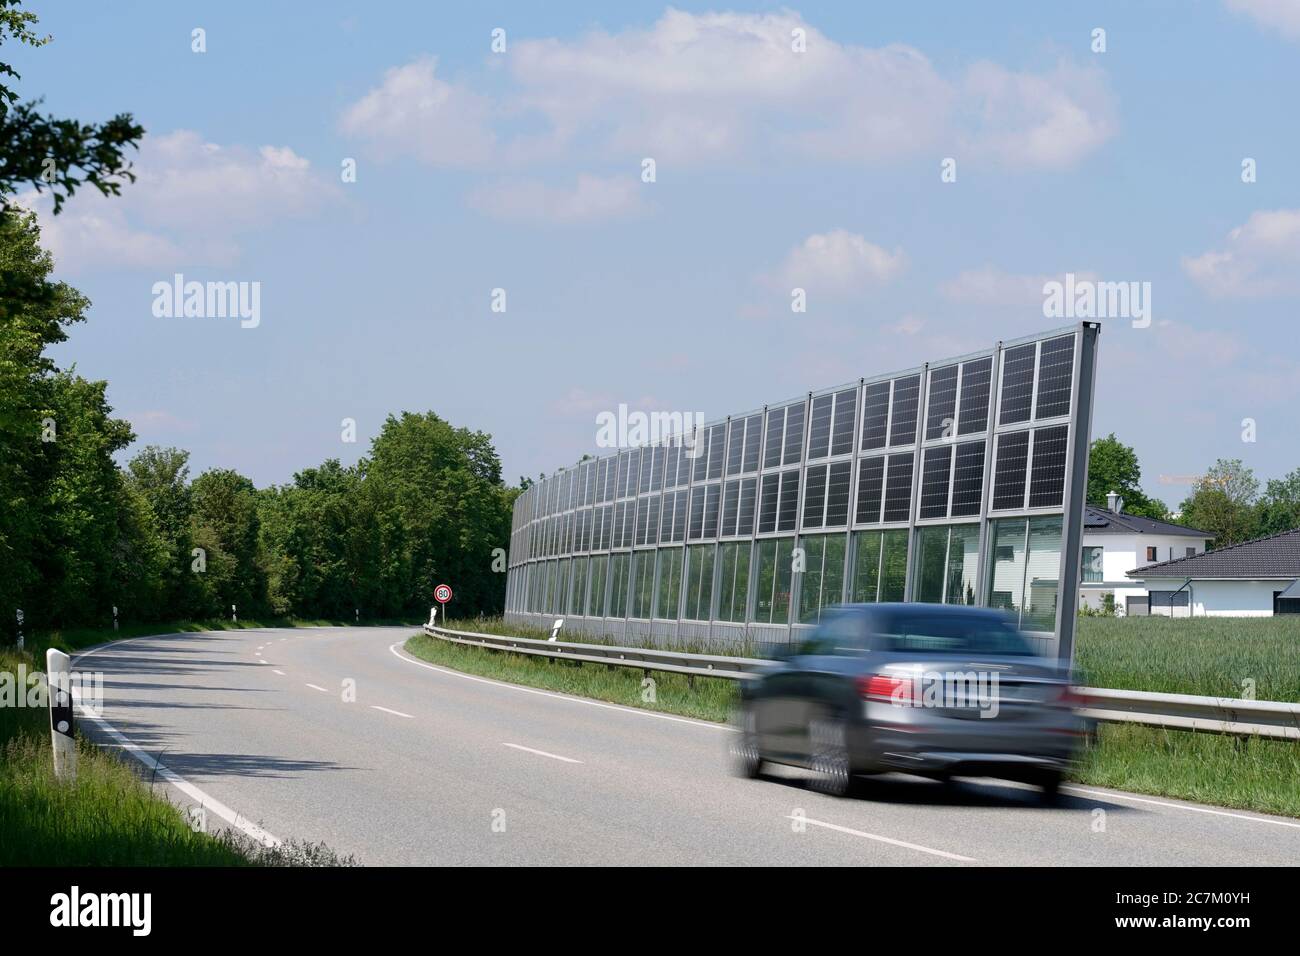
[{"x": 819, "y": 169}]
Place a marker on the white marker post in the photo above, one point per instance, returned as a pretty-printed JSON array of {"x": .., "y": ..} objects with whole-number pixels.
[
  {"x": 115, "y": 617},
  {"x": 59, "y": 683},
  {"x": 233, "y": 616},
  {"x": 20, "y": 628},
  {"x": 555, "y": 629},
  {"x": 433, "y": 615}
]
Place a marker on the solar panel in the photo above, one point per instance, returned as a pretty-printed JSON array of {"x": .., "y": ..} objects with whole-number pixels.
[
  {"x": 934, "y": 482},
  {"x": 1055, "y": 374},
  {"x": 1009, "y": 471},
  {"x": 1047, "y": 478},
  {"x": 1017, "y": 384}
]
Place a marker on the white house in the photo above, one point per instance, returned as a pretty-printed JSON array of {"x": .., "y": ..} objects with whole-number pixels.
[
  {"x": 1114, "y": 543},
  {"x": 1257, "y": 578}
]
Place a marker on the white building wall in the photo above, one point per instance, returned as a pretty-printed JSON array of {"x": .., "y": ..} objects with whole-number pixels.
[
  {"x": 1121, "y": 553},
  {"x": 1226, "y": 598}
]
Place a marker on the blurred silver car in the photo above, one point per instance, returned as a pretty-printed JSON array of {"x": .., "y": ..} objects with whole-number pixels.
[{"x": 934, "y": 690}]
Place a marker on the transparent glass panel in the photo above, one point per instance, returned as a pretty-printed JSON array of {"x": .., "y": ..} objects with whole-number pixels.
[
  {"x": 1007, "y": 582},
  {"x": 578, "y": 596},
  {"x": 866, "y": 567},
  {"x": 931, "y": 564},
  {"x": 643, "y": 570},
  {"x": 619, "y": 590},
  {"x": 1042, "y": 574},
  {"x": 699, "y": 582},
  {"x": 893, "y": 573},
  {"x": 670, "y": 583},
  {"x": 733, "y": 580},
  {"x": 963, "y": 564},
  {"x": 596, "y": 593},
  {"x": 772, "y": 605}
]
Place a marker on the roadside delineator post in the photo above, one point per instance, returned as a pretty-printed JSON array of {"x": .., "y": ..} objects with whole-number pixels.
[
  {"x": 115, "y": 617},
  {"x": 20, "y": 627},
  {"x": 59, "y": 684},
  {"x": 555, "y": 629},
  {"x": 234, "y": 617},
  {"x": 433, "y": 615}
]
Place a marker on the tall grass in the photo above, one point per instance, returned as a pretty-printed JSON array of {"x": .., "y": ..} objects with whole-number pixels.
[{"x": 1215, "y": 656}]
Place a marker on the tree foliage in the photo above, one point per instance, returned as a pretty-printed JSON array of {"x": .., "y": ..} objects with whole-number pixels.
[
  {"x": 1113, "y": 466},
  {"x": 46, "y": 152}
]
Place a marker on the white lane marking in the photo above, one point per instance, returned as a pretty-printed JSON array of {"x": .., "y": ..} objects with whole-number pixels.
[
  {"x": 546, "y": 693},
  {"x": 1111, "y": 795},
  {"x": 396, "y": 713},
  {"x": 205, "y": 800},
  {"x": 881, "y": 839},
  {"x": 540, "y": 753},
  {"x": 263, "y": 662},
  {"x": 281, "y": 673},
  {"x": 318, "y": 687}
]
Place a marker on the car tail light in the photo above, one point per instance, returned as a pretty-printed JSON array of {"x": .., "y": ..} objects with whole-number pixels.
[
  {"x": 1070, "y": 697},
  {"x": 885, "y": 688}
]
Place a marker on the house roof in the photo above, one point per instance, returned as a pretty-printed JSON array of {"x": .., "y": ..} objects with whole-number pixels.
[
  {"x": 1104, "y": 521},
  {"x": 1274, "y": 557}
]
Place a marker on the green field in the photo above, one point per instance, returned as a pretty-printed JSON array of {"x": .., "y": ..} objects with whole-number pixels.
[
  {"x": 108, "y": 817},
  {"x": 1209, "y": 656},
  {"x": 1214, "y": 656}
]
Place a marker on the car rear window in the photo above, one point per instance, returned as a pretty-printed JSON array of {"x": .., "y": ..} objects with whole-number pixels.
[{"x": 953, "y": 634}]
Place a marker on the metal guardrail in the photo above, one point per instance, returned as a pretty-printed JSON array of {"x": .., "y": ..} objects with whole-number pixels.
[{"x": 1216, "y": 715}]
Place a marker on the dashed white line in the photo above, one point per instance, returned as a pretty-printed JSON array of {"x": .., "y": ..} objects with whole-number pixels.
[
  {"x": 281, "y": 673},
  {"x": 881, "y": 839},
  {"x": 541, "y": 753},
  {"x": 396, "y": 713},
  {"x": 318, "y": 687}
]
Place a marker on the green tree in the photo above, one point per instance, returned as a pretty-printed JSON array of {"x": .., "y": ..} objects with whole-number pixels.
[
  {"x": 1223, "y": 503},
  {"x": 225, "y": 525},
  {"x": 443, "y": 484},
  {"x": 1113, "y": 466},
  {"x": 1279, "y": 506},
  {"x": 56, "y": 154},
  {"x": 160, "y": 477}
]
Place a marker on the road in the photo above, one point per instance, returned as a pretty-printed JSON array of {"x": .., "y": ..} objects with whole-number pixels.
[{"x": 430, "y": 766}]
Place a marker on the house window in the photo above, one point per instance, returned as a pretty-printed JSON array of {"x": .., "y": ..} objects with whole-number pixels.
[
  {"x": 1151, "y": 554},
  {"x": 1190, "y": 552},
  {"x": 1092, "y": 565}
]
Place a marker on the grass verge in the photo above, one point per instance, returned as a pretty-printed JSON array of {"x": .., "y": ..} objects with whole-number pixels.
[
  {"x": 108, "y": 816},
  {"x": 1258, "y": 775}
]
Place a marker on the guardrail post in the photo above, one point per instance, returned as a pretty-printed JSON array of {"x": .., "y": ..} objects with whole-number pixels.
[{"x": 59, "y": 689}]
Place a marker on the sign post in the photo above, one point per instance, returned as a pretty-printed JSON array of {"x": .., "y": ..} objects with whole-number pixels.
[
  {"x": 61, "y": 721},
  {"x": 442, "y": 594}
]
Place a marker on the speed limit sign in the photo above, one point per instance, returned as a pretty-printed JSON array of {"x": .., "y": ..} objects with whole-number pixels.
[{"x": 442, "y": 594}]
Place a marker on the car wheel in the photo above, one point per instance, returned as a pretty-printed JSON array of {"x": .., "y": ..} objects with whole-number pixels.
[
  {"x": 830, "y": 757},
  {"x": 1049, "y": 782},
  {"x": 746, "y": 756}
]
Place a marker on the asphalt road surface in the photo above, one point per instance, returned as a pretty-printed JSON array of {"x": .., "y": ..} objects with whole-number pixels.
[{"x": 430, "y": 766}]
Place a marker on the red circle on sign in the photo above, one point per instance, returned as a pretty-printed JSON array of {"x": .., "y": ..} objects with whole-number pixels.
[{"x": 442, "y": 594}]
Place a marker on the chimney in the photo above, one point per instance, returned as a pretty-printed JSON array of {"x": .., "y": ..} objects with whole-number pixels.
[{"x": 1114, "y": 502}]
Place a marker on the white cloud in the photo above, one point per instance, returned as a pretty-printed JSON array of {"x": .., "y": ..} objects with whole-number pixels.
[
  {"x": 190, "y": 203},
  {"x": 1047, "y": 120},
  {"x": 836, "y": 262},
  {"x": 591, "y": 199},
  {"x": 1261, "y": 257},
  {"x": 990, "y": 286},
  {"x": 719, "y": 86},
  {"x": 415, "y": 111},
  {"x": 1280, "y": 15}
]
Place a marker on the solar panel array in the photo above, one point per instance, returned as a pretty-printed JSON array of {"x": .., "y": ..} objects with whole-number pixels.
[{"x": 685, "y": 530}]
